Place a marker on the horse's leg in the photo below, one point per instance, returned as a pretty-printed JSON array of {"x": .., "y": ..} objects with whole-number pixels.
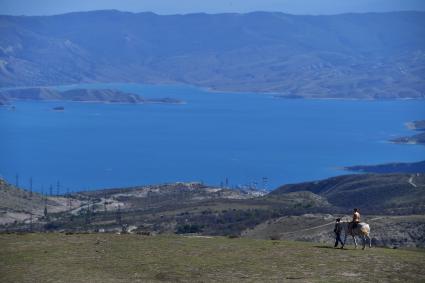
[
  {"x": 370, "y": 240},
  {"x": 345, "y": 239},
  {"x": 355, "y": 242},
  {"x": 363, "y": 241}
]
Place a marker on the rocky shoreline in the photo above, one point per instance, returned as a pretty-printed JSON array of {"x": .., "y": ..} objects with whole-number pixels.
[{"x": 79, "y": 95}]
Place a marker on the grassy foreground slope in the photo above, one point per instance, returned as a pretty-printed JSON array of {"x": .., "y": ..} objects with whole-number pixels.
[{"x": 54, "y": 257}]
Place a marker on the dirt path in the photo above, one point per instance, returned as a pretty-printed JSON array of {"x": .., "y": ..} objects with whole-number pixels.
[
  {"x": 323, "y": 225},
  {"x": 411, "y": 182}
]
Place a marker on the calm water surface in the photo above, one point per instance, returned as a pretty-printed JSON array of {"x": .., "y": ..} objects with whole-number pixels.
[{"x": 243, "y": 137}]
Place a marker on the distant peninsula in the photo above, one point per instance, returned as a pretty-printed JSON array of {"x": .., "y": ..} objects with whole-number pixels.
[
  {"x": 79, "y": 95},
  {"x": 415, "y": 139},
  {"x": 416, "y": 125},
  {"x": 396, "y": 167}
]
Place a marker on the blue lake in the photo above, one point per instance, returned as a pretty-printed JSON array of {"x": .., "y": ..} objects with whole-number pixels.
[{"x": 214, "y": 136}]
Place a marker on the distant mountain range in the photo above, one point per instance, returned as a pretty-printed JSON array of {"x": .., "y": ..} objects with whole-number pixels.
[{"x": 371, "y": 56}]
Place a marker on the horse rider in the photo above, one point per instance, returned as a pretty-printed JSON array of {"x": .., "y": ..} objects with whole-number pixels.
[
  {"x": 356, "y": 220},
  {"x": 337, "y": 231}
]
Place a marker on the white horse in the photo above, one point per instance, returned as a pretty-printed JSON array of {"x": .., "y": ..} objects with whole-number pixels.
[{"x": 362, "y": 230}]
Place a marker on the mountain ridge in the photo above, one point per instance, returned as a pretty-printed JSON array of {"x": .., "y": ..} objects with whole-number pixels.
[
  {"x": 370, "y": 56},
  {"x": 213, "y": 13}
]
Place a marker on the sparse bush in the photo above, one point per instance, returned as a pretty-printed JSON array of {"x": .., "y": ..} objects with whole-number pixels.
[
  {"x": 233, "y": 236},
  {"x": 274, "y": 237},
  {"x": 188, "y": 228},
  {"x": 51, "y": 226}
]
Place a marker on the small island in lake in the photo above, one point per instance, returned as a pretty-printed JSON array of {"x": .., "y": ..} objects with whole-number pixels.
[
  {"x": 80, "y": 95},
  {"x": 59, "y": 108}
]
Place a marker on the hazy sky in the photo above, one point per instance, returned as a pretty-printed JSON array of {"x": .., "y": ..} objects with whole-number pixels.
[{"x": 49, "y": 7}]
